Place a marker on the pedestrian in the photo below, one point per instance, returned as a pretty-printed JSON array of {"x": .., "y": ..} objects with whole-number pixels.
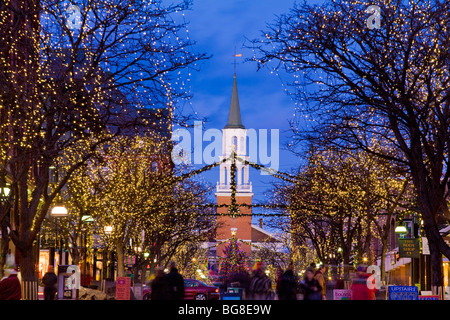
[
  {"x": 175, "y": 283},
  {"x": 260, "y": 285},
  {"x": 360, "y": 290},
  {"x": 159, "y": 286},
  {"x": 242, "y": 279},
  {"x": 320, "y": 277},
  {"x": 10, "y": 285},
  {"x": 310, "y": 286},
  {"x": 287, "y": 285},
  {"x": 49, "y": 281}
]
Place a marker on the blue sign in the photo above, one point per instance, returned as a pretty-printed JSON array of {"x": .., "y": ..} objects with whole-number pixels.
[{"x": 403, "y": 293}]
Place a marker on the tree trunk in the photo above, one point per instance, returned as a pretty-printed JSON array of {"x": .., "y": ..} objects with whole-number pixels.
[
  {"x": 120, "y": 259},
  {"x": 75, "y": 253},
  {"x": 434, "y": 239},
  {"x": 383, "y": 261},
  {"x": 27, "y": 261}
]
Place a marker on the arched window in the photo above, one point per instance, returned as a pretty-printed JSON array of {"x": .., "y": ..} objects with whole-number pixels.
[{"x": 234, "y": 141}]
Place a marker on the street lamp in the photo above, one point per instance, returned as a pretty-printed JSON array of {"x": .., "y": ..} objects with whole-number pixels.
[
  {"x": 4, "y": 192},
  {"x": 401, "y": 229},
  {"x": 59, "y": 210},
  {"x": 108, "y": 229}
]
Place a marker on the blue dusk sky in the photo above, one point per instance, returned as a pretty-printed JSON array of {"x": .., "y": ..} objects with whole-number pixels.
[{"x": 218, "y": 27}]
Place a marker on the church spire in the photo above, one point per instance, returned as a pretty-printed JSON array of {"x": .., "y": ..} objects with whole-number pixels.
[{"x": 234, "y": 115}]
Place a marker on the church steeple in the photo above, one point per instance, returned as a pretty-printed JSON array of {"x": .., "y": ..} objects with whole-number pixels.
[
  {"x": 234, "y": 139},
  {"x": 234, "y": 114}
]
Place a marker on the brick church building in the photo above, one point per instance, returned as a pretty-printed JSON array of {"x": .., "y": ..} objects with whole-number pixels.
[{"x": 234, "y": 138}]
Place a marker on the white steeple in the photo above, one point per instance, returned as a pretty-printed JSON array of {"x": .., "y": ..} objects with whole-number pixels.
[{"x": 234, "y": 137}]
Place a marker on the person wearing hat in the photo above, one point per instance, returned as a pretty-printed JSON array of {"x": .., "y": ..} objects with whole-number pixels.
[{"x": 10, "y": 285}]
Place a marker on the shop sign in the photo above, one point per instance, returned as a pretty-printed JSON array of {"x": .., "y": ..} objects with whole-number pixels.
[
  {"x": 409, "y": 248},
  {"x": 123, "y": 287},
  {"x": 428, "y": 297},
  {"x": 403, "y": 293},
  {"x": 342, "y": 294}
]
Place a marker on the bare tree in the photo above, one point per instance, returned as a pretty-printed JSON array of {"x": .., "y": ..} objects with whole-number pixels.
[
  {"x": 341, "y": 203},
  {"x": 387, "y": 80},
  {"x": 70, "y": 79},
  {"x": 150, "y": 208}
]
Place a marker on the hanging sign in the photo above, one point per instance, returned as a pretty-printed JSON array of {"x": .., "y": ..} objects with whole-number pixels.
[{"x": 409, "y": 248}]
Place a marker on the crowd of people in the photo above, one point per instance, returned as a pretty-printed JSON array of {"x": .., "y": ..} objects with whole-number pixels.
[
  {"x": 312, "y": 286},
  {"x": 289, "y": 286},
  {"x": 257, "y": 285}
]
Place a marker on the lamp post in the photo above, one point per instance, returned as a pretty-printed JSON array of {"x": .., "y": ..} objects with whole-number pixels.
[
  {"x": 107, "y": 270},
  {"x": 85, "y": 220},
  {"x": 58, "y": 211}
]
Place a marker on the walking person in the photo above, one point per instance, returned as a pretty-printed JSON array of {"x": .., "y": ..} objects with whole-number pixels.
[
  {"x": 320, "y": 277},
  {"x": 10, "y": 288},
  {"x": 159, "y": 286},
  {"x": 260, "y": 285},
  {"x": 50, "y": 280},
  {"x": 287, "y": 285},
  {"x": 360, "y": 290},
  {"x": 310, "y": 286},
  {"x": 175, "y": 283}
]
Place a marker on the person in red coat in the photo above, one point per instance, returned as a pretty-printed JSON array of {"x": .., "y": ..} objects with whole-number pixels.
[
  {"x": 360, "y": 290},
  {"x": 10, "y": 286}
]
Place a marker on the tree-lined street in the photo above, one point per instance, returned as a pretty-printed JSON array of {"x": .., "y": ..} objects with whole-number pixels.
[{"x": 95, "y": 154}]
